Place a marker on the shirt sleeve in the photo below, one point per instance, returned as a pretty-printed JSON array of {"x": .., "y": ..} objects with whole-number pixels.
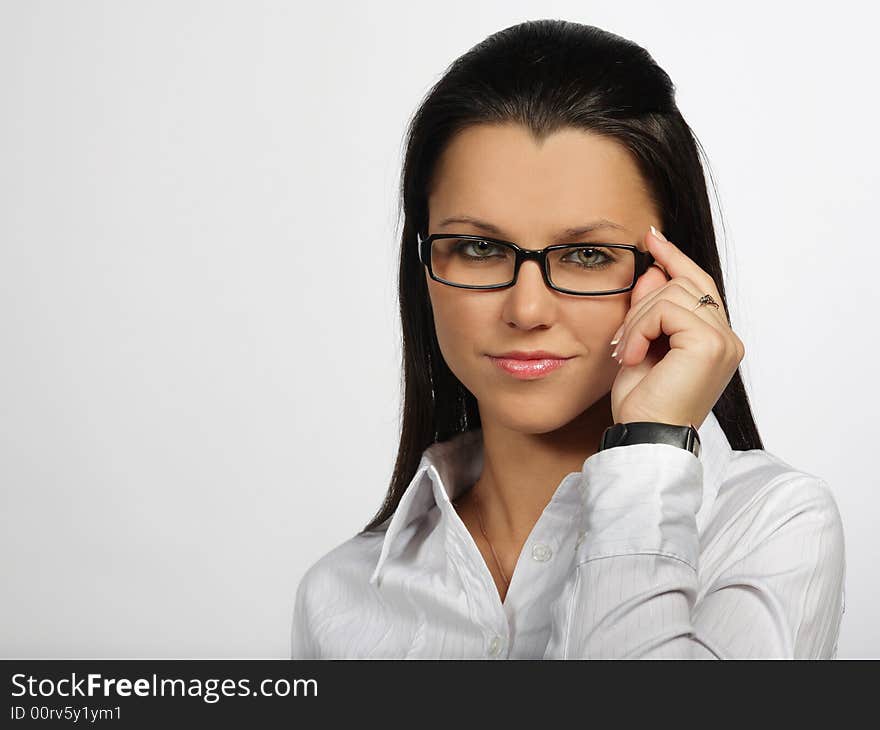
[
  {"x": 302, "y": 641},
  {"x": 636, "y": 593}
]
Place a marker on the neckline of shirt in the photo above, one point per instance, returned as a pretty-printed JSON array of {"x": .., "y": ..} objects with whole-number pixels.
[{"x": 448, "y": 468}]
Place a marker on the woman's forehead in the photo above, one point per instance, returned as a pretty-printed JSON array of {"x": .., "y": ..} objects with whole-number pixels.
[{"x": 499, "y": 174}]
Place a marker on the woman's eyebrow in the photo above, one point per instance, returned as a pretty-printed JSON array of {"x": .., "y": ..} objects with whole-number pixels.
[{"x": 564, "y": 233}]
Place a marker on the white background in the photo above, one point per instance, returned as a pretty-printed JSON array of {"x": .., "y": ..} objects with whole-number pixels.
[{"x": 184, "y": 404}]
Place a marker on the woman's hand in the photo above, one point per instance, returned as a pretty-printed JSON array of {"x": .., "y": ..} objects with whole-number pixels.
[{"x": 675, "y": 360}]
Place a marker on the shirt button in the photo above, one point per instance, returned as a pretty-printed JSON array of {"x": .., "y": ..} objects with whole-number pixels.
[
  {"x": 495, "y": 645},
  {"x": 541, "y": 552}
]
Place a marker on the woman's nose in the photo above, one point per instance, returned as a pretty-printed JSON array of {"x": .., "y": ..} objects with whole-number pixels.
[
  {"x": 530, "y": 276},
  {"x": 530, "y": 302}
]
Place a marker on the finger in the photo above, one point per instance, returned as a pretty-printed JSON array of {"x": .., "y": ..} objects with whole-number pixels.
[
  {"x": 682, "y": 283},
  {"x": 665, "y": 253},
  {"x": 677, "y": 263},
  {"x": 640, "y": 332},
  {"x": 652, "y": 280},
  {"x": 660, "y": 266}
]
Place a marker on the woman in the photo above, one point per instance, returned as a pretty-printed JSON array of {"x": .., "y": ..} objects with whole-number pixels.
[{"x": 519, "y": 523}]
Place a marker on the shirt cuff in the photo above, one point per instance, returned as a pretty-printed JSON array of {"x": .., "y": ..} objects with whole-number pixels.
[{"x": 641, "y": 498}]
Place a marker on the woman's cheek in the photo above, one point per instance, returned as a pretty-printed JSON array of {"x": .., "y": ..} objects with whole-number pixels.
[{"x": 458, "y": 337}]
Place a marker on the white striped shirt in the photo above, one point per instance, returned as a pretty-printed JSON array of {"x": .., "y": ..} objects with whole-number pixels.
[{"x": 647, "y": 552}]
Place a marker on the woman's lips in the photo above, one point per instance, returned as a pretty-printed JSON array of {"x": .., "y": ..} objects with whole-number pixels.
[{"x": 529, "y": 369}]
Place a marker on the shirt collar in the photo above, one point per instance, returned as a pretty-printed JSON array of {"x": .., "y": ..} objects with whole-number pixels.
[{"x": 448, "y": 468}]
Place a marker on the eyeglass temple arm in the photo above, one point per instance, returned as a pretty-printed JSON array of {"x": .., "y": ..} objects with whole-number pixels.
[{"x": 645, "y": 261}]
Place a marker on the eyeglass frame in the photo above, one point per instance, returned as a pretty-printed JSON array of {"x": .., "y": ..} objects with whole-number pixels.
[{"x": 643, "y": 261}]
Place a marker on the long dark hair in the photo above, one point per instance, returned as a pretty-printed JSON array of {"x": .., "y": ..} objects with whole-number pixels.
[{"x": 544, "y": 75}]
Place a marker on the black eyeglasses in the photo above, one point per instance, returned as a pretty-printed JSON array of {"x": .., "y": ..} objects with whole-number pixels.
[{"x": 582, "y": 269}]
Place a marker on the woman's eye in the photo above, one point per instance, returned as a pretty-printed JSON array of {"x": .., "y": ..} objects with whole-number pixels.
[
  {"x": 477, "y": 249},
  {"x": 588, "y": 257}
]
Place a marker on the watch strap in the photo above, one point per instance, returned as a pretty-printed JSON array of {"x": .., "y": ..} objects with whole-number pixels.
[{"x": 650, "y": 432}]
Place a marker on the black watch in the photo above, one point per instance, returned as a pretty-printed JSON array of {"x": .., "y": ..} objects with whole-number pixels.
[{"x": 649, "y": 432}]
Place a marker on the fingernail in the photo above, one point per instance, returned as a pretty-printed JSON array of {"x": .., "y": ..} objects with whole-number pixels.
[
  {"x": 614, "y": 354},
  {"x": 658, "y": 235},
  {"x": 617, "y": 335}
]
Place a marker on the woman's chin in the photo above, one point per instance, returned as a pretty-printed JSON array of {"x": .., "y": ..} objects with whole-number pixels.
[{"x": 529, "y": 415}]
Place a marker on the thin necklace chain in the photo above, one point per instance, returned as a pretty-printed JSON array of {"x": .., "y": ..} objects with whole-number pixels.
[{"x": 483, "y": 530}]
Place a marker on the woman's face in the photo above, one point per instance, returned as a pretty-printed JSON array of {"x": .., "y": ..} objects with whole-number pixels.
[{"x": 497, "y": 174}]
